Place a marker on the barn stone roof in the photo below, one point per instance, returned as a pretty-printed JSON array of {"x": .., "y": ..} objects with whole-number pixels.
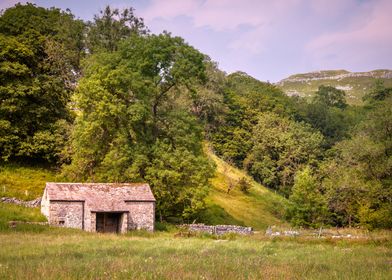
[{"x": 100, "y": 196}]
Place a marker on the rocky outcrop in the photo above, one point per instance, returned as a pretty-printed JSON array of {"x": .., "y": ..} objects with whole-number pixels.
[
  {"x": 335, "y": 75},
  {"x": 32, "y": 203}
]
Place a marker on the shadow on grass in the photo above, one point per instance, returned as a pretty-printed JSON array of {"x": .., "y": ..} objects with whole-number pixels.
[{"x": 217, "y": 215}]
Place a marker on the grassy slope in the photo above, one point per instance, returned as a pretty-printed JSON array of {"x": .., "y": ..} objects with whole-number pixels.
[
  {"x": 24, "y": 182},
  {"x": 11, "y": 212},
  {"x": 360, "y": 86},
  {"x": 258, "y": 209}
]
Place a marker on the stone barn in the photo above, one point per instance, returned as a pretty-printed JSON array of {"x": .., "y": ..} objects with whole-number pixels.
[{"x": 99, "y": 207}]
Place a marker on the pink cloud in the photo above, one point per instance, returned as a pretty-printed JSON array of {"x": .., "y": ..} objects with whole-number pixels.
[
  {"x": 220, "y": 15},
  {"x": 366, "y": 36},
  {"x": 170, "y": 9},
  {"x": 258, "y": 17}
]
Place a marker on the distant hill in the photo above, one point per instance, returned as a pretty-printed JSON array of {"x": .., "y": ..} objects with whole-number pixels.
[{"x": 355, "y": 84}]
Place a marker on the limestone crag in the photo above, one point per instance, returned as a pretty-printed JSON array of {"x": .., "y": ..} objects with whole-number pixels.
[{"x": 327, "y": 75}]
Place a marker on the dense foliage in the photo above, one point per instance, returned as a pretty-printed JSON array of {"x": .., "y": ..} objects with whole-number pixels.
[
  {"x": 358, "y": 178},
  {"x": 244, "y": 98},
  {"x": 308, "y": 206},
  {"x": 40, "y": 51},
  {"x": 111, "y": 26},
  {"x": 329, "y": 113},
  {"x": 280, "y": 147},
  {"x": 331, "y": 159}
]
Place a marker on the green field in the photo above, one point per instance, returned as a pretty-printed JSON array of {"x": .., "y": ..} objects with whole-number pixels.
[{"x": 69, "y": 254}]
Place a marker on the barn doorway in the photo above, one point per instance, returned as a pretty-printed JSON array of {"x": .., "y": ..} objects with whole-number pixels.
[{"x": 108, "y": 222}]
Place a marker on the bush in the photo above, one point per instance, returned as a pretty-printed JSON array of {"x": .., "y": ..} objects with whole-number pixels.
[{"x": 244, "y": 185}]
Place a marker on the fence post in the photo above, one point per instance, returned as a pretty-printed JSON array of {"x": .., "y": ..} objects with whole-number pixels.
[{"x": 321, "y": 228}]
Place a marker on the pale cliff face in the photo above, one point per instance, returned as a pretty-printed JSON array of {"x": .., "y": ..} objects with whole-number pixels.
[
  {"x": 355, "y": 84},
  {"x": 336, "y": 75}
]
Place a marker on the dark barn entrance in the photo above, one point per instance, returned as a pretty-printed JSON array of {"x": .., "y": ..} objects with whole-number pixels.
[{"x": 108, "y": 222}]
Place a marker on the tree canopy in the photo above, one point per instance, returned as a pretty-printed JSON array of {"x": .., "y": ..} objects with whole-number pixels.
[{"x": 110, "y": 27}]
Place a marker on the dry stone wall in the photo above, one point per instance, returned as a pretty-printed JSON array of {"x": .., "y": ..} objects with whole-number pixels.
[
  {"x": 32, "y": 203},
  {"x": 219, "y": 229}
]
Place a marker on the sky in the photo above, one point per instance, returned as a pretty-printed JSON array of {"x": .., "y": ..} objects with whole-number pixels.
[{"x": 268, "y": 39}]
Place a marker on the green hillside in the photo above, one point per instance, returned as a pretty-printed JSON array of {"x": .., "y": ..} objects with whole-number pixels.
[
  {"x": 258, "y": 209},
  {"x": 24, "y": 182},
  {"x": 355, "y": 84}
]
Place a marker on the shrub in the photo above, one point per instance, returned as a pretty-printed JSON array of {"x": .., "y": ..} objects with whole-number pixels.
[{"x": 244, "y": 185}]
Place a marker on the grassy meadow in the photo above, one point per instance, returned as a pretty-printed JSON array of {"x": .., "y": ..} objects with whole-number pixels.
[
  {"x": 11, "y": 212},
  {"x": 70, "y": 254}
]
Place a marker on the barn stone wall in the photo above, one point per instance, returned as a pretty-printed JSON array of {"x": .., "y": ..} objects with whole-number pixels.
[
  {"x": 66, "y": 214},
  {"x": 71, "y": 213},
  {"x": 124, "y": 222},
  {"x": 141, "y": 215},
  {"x": 45, "y": 205},
  {"x": 93, "y": 222}
]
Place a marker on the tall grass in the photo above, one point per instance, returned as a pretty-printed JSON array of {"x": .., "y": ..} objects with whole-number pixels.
[{"x": 70, "y": 255}]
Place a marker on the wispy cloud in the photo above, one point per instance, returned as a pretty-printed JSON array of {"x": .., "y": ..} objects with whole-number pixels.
[{"x": 251, "y": 19}]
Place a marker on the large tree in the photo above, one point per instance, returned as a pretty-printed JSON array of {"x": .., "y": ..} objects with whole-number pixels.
[
  {"x": 280, "y": 148},
  {"x": 130, "y": 128},
  {"x": 40, "y": 51},
  {"x": 307, "y": 205}
]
